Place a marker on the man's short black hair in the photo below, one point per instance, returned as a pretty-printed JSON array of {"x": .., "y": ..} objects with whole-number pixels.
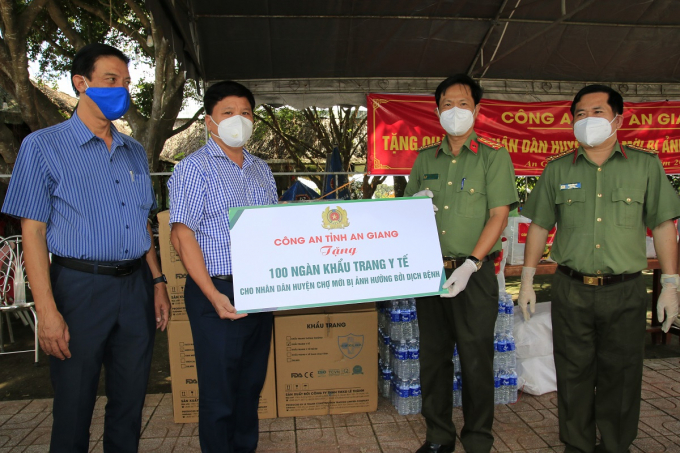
[
  {"x": 460, "y": 79},
  {"x": 615, "y": 100},
  {"x": 221, "y": 90},
  {"x": 83, "y": 62}
]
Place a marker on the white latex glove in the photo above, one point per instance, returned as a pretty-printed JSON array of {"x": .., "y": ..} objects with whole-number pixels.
[
  {"x": 668, "y": 300},
  {"x": 459, "y": 279},
  {"x": 527, "y": 295},
  {"x": 426, "y": 193}
]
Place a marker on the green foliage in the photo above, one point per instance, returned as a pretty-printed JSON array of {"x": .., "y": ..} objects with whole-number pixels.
[
  {"x": 525, "y": 184},
  {"x": 384, "y": 191},
  {"x": 142, "y": 93},
  {"x": 48, "y": 46},
  {"x": 191, "y": 94},
  {"x": 675, "y": 181},
  {"x": 356, "y": 190}
]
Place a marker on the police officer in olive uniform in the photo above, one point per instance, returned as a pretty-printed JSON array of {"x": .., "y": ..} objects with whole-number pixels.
[
  {"x": 472, "y": 185},
  {"x": 602, "y": 196}
]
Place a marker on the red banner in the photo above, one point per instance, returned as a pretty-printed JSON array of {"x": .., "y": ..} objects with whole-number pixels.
[{"x": 399, "y": 125}]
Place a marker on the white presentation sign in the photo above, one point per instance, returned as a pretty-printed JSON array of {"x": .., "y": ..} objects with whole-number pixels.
[{"x": 337, "y": 252}]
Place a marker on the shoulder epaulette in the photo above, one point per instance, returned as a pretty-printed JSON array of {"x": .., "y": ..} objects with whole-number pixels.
[
  {"x": 644, "y": 150},
  {"x": 490, "y": 143},
  {"x": 560, "y": 155},
  {"x": 429, "y": 146}
]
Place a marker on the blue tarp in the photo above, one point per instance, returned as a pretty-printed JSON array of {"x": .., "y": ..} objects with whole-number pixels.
[
  {"x": 332, "y": 182},
  {"x": 299, "y": 192}
]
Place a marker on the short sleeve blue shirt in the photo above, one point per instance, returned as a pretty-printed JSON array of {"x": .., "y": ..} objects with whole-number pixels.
[
  {"x": 95, "y": 202},
  {"x": 204, "y": 186}
]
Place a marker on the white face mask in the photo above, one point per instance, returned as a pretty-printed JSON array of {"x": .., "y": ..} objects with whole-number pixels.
[
  {"x": 457, "y": 121},
  {"x": 594, "y": 130},
  {"x": 234, "y": 131}
]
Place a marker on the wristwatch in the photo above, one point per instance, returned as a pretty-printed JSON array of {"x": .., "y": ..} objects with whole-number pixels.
[
  {"x": 160, "y": 279},
  {"x": 477, "y": 262}
]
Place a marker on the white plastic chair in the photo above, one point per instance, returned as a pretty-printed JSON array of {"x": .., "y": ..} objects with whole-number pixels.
[{"x": 13, "y": 277}]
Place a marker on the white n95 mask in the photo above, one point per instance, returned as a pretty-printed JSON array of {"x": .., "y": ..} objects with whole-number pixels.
[
  {"x": 594, "y": 130},
  {"x": 456, "y": 121},
  {"x": 234, "y": 131}
]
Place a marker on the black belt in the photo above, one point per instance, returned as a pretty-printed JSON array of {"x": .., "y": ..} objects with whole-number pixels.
[
  {"x": 226, "y": 278},
  {"x": 119, "y": 269},
  {"x": 453, "y": 263},
  {"x": 597, "y": 280}
]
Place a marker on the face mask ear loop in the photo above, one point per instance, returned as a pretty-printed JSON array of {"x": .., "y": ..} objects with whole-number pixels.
[
  {"x": 218, "y": 126},
  {"x": 615, "y": 130}
]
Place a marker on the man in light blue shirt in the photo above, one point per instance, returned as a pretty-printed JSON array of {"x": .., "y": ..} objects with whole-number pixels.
[
  {"x": 231, "y": 349},
  {"x": 83, "y": 193}
]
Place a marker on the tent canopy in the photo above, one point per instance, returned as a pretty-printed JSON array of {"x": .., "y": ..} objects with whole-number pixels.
[{"x": 310, "y": 52}]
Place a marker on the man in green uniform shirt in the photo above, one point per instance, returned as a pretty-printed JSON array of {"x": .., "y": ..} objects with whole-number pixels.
[
  {"x": 602, "y": 196},
  {"x": 472, "y": 185}
]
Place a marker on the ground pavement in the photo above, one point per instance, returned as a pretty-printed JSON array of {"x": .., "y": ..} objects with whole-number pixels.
[{"x": 530, "y": 425}]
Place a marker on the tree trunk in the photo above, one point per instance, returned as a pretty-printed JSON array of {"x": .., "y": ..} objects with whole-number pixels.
[
  {"x": 370, "y": 184},
  {"x": 399, "y": 186},
  {"x": 9, "y": 147},
  {"x": 14, "y": 58}
]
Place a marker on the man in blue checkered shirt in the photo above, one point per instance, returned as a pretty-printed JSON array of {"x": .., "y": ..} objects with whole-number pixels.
[{"x": 231, "y": 349}]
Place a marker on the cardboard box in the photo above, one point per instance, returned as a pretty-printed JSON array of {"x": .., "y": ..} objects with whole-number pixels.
[
  {"x": 267, "y": 406},
  {"x": 348, "y": 308},
  {"x": 172, "y": 268},
  {"x": 183, "y": 372},
  {"x": 185, "y": 381},
  {"x": 326, "y": 363}
]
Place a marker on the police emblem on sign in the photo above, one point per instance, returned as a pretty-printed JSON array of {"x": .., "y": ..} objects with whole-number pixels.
[
  {"x": 351, "y": 345},
  {"x": 334, "y": 218}
]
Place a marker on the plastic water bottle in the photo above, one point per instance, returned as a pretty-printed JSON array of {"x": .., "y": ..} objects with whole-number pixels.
[
  {"x": 500, "y": 319},
  {"x": 502, "y": 349},
  {"x": 415, "y": 394},
  {"x": 402, "y": 370},
  {"x": 393, "y": 356},
  {"x": 405, "y": 316},
  {"x": 457, "y": 391},
  {"x": 380, "y": 344},
  {"x": 396, "y": 333},
  {"x": 384, "y": 343},
  {"x": 381, "y": 316},
  {"x": 456, "y": 360},
  {"x": 510, "y": 355},
  {"x": 498, "y": 392},
  {"x": 505, "y": 384},
  {"x": 512, "y": 387},
  {"x": 496, "y": 356},
  {"x": 403, "y": 390},
  {"x": 414, "y": 319},
  {"x": 509, "y": 314},
  {"x": 386, "y": 384},
  {"x": 414, "y": 358}
]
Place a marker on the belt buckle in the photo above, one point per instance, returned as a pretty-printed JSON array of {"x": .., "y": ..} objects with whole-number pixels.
[
  {"x": 123, "y": 271},
  {"x": 593, "y": 280},
  {"x": 449, "y": 262}
]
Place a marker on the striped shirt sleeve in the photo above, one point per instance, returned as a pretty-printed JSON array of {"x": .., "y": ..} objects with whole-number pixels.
[
  {"x": 29, "y": 194},
  {"x": 272, "y": 185},
  {"x": 187, "y": 195}
]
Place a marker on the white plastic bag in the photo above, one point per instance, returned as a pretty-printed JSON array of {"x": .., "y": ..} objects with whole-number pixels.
[{"x": 534, "y": 348}]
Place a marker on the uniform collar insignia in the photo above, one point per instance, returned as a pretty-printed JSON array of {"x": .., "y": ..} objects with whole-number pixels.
[{"x": 474, "y": 146}]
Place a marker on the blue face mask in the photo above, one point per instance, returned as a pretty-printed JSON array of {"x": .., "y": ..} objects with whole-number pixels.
[{"x": 112, "y": 101}]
